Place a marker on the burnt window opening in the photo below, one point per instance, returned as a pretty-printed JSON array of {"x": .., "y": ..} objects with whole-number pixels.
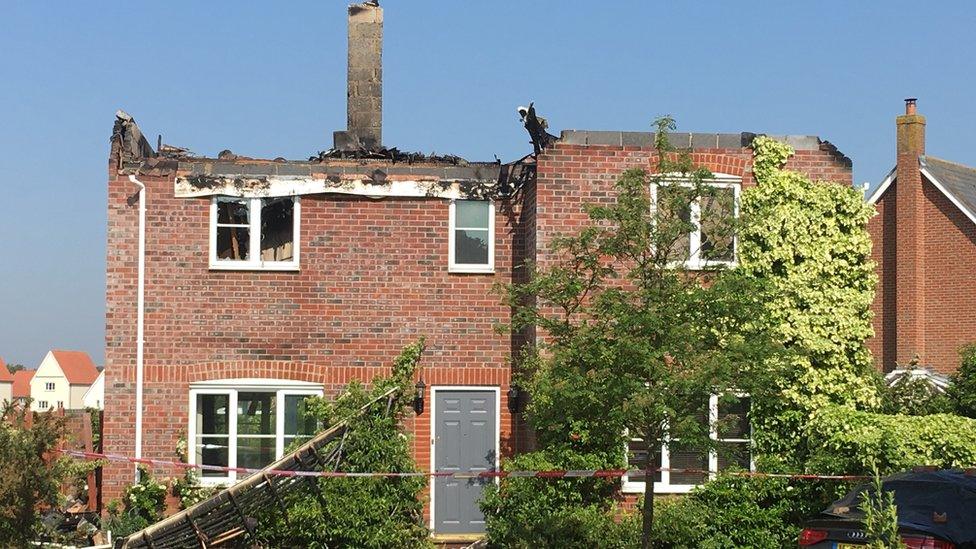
[
  {"x": 254, "y": 233},
  {"x": 472, "y": 238}
]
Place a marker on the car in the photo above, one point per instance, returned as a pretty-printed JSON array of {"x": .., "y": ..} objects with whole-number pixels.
[{"x": 936, "y": 510}]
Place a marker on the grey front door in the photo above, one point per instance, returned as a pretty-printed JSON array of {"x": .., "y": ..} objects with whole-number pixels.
[{"x": 465, "y": 434}]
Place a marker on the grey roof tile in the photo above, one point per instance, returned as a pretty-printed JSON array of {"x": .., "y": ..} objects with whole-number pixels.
[{"x": 957, "y": 179}]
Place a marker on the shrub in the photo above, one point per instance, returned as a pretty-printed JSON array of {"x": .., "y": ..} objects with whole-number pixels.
[
  {"x": 733, "y": 511},
  {"x": 360, "y": 512},
  {"x": 141, "y": 505},
  {"x": 846, "y": 441},
  {"x": 577, "y": 512},
  {"x": 29, "y": 474},
  {"x": 962, "y": 392}
]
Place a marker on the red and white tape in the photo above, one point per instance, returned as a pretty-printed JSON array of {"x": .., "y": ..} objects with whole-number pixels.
[{"x": 567, "y": 473}]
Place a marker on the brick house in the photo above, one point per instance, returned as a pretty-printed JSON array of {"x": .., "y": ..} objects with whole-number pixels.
[
  {"x": 924, "y": 246},
  {"x": 266, "y": 281}
]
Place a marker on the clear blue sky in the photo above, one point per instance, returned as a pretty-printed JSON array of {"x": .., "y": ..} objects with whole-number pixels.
[{"x": 268, "y": 79}]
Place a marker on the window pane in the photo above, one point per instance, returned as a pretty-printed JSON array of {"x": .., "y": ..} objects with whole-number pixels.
[
  {"x": 688, "y": 459},
  {"x": 297, "y": 422},
  {"x": 733, "y": 417},
  {"x": 471, "y": 247},
  {"x": 255, "y": 453},
  {"x": 636, "y": 454},
  {"x": 212, "y": 414},
  {"x": 212, "y": 451},
  {"x": 471, "y": 214},
  {"x": 733, "y": 453},
  {"x": 233, "y": 211},
  {"x": 256, "y": 414},
  {"x": 277, "y": 229},
  {"x": 717, "y": 214},
  {"x": 233, "y": 243},
  {"x": 674, "y": 220}
]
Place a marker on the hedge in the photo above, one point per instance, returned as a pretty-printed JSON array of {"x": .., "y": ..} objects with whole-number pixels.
[{"x": 844, "y": 440}]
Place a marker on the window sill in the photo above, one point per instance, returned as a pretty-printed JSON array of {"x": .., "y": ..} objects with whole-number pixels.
[
  {"x": 638, "y": 488},
  {"x": 471, "y": 269},
  {"x": 253, "y": 267},
  {"x": 707, "y": 266}
]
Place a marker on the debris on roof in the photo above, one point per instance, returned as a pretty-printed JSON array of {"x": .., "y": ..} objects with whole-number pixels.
[
  {"x": 536, "y": 126},
  {"x": 127, "y": 136},
  {"x": 391, "y": 154}
]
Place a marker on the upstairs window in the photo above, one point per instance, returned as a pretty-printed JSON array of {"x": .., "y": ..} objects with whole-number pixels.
[
  {"x": 254, "y": 233},
  {"x": 710, "y": 240},
  {"x": 49, "y": 386},
  {"x": 472, "y": 237},
  {"x": 728, "y": 421}
]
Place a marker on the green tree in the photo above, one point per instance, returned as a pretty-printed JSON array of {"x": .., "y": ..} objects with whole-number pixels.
[
  {"x": 962, "y": 391},
  {"x": 809, "y": 241},
  {"x": 636, "y": 343},
  {"x": 30, "y": 472},
  {"x": 13, "y": 368}
]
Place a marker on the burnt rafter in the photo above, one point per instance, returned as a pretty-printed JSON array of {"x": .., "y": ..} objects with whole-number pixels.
[{"x": 536, "y": 126}]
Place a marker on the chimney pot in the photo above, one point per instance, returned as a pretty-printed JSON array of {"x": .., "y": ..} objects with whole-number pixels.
[{"x": 910, "y": 105}]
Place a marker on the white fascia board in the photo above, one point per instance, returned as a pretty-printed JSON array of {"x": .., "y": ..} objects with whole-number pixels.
[
  {"x": 928, "y": 175},
  {"x": 258, "y": 187},
  {"x": 880, "y": 190}
]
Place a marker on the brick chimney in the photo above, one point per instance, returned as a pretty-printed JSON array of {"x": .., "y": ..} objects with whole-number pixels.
[
  {"x": 909, "y": 251},
  {"x": 364, "y": 107}
]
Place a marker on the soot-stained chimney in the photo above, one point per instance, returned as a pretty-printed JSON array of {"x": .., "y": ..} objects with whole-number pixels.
[{"x": 364, "y": 107}]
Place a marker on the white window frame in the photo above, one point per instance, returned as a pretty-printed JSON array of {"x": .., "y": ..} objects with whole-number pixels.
[
  {"x": 254, "y": 245},
  {"x": 722, "y": 181},
  {"x": 42, "y": 405},
  {"x": 664, "y": 486},
  {"x": 231, "y": 388},
  {"x": 49, "y": 386},
  {"x": 452, "y": 230}
]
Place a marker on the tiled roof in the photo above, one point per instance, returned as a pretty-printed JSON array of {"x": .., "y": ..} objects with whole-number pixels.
[
  {"x": 22, "y": 379},
  {"x": 5, "y": 375},
  {"x": 957, "y": 181},
  {"x": 77, "y": 366}
]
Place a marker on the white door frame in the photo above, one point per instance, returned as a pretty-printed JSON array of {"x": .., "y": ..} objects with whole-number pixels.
[{"x": 433, "y": 429}]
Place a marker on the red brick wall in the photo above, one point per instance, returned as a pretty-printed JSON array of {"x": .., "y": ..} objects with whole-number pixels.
[
  {"x": 949, "y": 246},
  {"x": 373, "y": 278},
  {"x": 571, "y": 176}
]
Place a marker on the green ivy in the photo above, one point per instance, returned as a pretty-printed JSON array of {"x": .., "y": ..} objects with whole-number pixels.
[
  {"x": 809, "y": 241},
  {"x": 848, "y": 441}
]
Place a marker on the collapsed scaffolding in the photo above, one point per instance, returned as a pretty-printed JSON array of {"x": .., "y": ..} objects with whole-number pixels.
[{"x": 233, "y": 513}]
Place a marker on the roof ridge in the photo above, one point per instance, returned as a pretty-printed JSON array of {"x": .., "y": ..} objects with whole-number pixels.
[{"x": 936, "y": 158}]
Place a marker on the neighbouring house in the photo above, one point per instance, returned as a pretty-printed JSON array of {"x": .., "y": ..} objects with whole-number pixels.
[
  {"x": 267, "y": 281},
  {"x": 61, "y": 380},
  {"x": 21, "y": 388},
  {"x": 924, "y": 240},
  {"x": 6, "y": 383},
  {"x": 94, "y": 397}
]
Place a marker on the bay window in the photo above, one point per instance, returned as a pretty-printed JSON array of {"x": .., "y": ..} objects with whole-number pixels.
[{"x": 249, "y": 425}]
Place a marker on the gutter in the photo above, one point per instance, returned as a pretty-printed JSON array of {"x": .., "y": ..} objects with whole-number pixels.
[{"x": 140, "y": 314}]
